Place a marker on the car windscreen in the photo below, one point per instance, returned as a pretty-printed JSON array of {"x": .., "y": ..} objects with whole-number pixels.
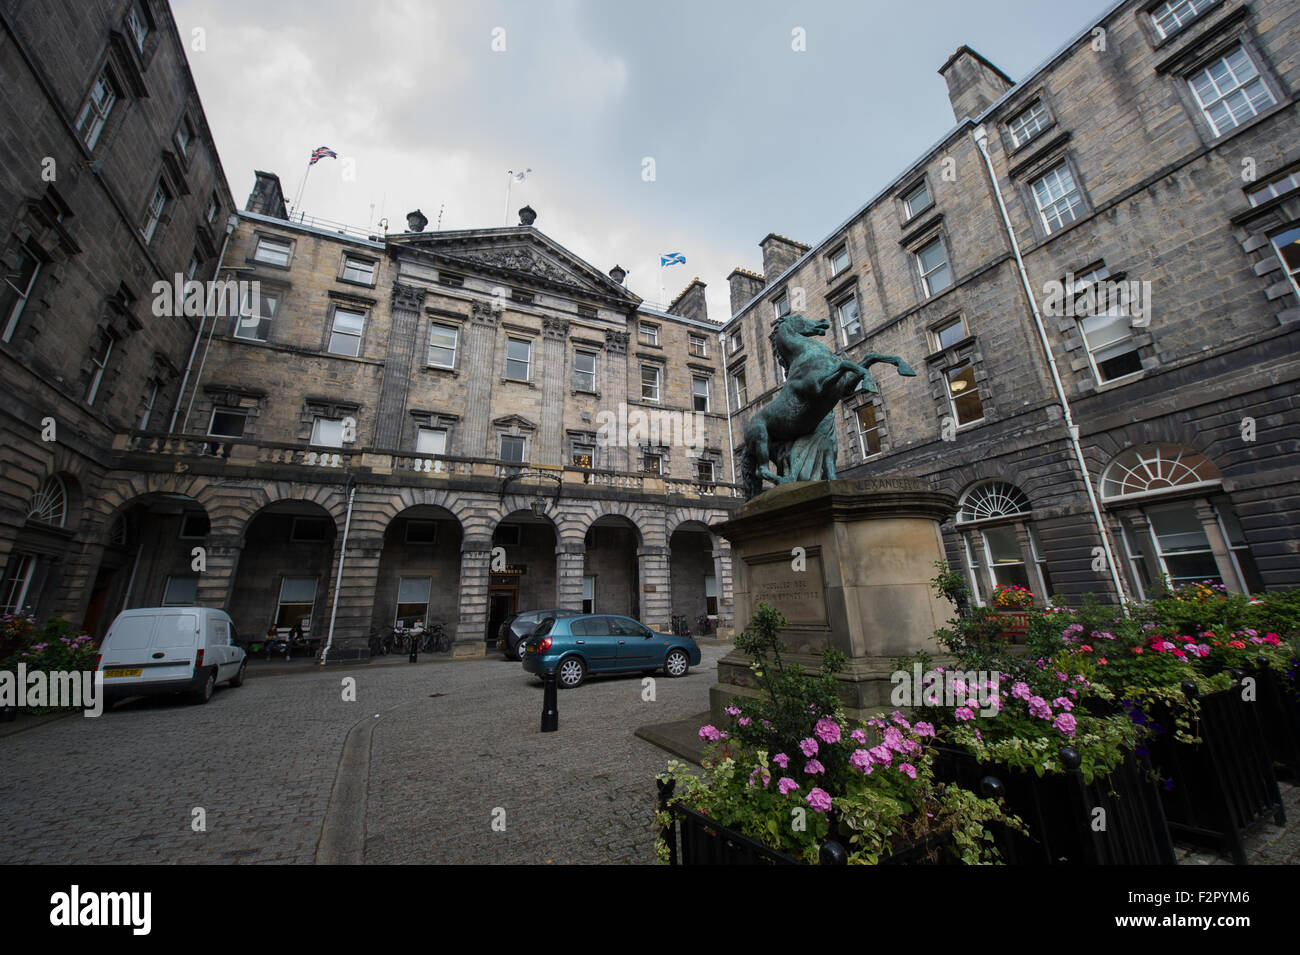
[{"x": 544, "y": 627}]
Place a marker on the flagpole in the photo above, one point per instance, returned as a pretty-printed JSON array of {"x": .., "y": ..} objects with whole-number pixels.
[
  {"x": 510, "y": 176},
  {"x": 302, "y": 186}
]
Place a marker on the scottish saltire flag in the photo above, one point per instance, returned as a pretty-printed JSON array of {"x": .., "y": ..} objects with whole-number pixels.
[
  {"x": 671, "y": 258},
  {"x": 322, "y": 152}
]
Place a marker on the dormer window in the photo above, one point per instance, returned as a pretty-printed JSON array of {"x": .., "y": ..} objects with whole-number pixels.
[
  {"x": 1028, "y": 123},
  {"x": 917, "y": 201},
  {"x": 1172, "y": 15}
]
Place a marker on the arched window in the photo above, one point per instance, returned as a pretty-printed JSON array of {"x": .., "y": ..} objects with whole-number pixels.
[
  {"x": 49, "y": 504},
  {"x": 998, "y": 541},
  {"x": 1169, "y": 530}
]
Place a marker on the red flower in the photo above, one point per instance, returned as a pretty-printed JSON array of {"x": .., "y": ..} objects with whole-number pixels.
[
  {"x": 1101, "y": 660},
  {"x": 1085, "y": 649},
  {"x": 1137, "y": 650}
]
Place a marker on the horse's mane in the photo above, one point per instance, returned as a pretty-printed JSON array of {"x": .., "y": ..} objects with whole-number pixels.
[{"x": 771, "y": 337}]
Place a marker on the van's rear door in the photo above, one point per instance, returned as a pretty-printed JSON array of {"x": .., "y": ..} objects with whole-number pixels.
[{"x": 175, "y": 644}]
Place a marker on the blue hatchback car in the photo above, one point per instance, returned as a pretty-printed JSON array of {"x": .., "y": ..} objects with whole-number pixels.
[{"x": 604, "y": 643}]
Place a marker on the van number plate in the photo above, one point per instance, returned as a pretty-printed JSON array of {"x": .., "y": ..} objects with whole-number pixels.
[{"x": 109, "y": 674}]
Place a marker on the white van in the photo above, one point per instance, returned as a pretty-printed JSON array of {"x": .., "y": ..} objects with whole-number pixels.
[{"x": 170, "y": 650}]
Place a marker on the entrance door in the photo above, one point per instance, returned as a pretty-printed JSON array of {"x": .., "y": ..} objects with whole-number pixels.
[{"x": 501, "y": 606}]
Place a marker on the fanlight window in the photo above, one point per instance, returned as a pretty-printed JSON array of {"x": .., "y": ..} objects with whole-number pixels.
[
  {"x": 987, "y": 501},
  {"x": 49, "y": 504},
  {"x": 1156, "y": 467}
]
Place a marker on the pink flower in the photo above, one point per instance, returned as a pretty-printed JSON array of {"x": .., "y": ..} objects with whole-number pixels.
[
  {"x": 760, "y": 773},
  {"x": 781, "y": 760},
  {"x": 860, "y": 760},
  {"x": 813, "y": 767},
  {"x": 744, "y": 721},
  {"x": 908, "y": 770},
  {"x": 710, "y": 733},
  {"x": 786, "y": 785},
  {"x": 1038, "y": 707},
  {"x": 858, "y": 737},
  {"x": 1020, "y": 691},
  {"x": 827, "y": 730},
  {"x": 808, "y": 746},
  {"x": 924, "y": 729},
  {"x": 732, "y": 711},
  {"x": 881, "y": 755},
  {"x": 1061, "y": 703},
  {"x": 894, "y": 739},
  {"x": 819, "y": 800},
  {"x": 1065, "y": 723},
  {"x": 964, "y": 713},
  {"x": 901, "y": 720}
]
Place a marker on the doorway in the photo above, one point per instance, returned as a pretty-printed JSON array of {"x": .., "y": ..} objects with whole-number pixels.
[{"x": 501, "y": 607}]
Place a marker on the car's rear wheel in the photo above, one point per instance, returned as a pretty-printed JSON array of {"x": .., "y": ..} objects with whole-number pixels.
[
  {"x": 519, "y": 648},
  {"x": 238, "y": 678},
  {"x": 570, "y": 672},
  {"x": 677, "y": 663},
  {"x": 204, "y": 693}
]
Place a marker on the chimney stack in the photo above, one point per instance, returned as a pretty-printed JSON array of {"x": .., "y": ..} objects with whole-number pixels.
[
  {"x": 974, "y": 84},
  {"x": 267, "y": 197},
  {"x": 691, "y": 303},
  {"x": 779, "y": 253},
  {"x": 744, "y": 286}
]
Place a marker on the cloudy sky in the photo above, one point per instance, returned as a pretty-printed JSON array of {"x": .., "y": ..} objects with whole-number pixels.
[{"x": 432, "y": 101}]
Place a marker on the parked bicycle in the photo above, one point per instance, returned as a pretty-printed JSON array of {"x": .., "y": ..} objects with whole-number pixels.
[
  {"x": 381, "y": 641},
  {"x": 680, "y": 627},
  {"x": 704, "y": 623},
  {"x": 435, "y": 639}
]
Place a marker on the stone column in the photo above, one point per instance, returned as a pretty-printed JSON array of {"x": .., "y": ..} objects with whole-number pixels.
[
  {"x": 475, "y": 580},
  {"x": 555, "y": 383},
  {"x": 357, "y": 591},
  {"x": 569, "y": 558},
  {"x": 1222, "y": 557},
  {"x": 221, "y": 552},
  {"x": 722, "y": 579},
  {"x": 656, "y": 587},
  {"x": 480, "y": 371},
  {"x": 404, "y": 341},
  {"x": 613, "y": 393}
]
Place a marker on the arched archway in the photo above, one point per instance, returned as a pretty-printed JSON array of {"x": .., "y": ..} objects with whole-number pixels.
[
  {"x": 33, "y": 576},
  {"x": 611, "y": 567},
  {"x": 522, "y": 575},
  {"x": 419, "y": 570},
  {"x": 283, "y": 577}
]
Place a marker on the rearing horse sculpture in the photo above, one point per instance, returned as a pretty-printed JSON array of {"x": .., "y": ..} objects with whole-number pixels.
[{"x": 797, "y": 428}]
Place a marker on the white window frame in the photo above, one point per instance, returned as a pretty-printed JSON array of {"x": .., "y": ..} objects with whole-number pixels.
[
  {"x": 184, "y": 136},
  {"x": 319, "y": 436},
  {"x": 656, "y": 386},
  {"x": 398, "y": 604},
  {"x": 647, "y": 334},
  {"x": 649, "y": 456},
  {"x": 454, "y": 346},
  {"x": 1179, "y": 12},
  {"x": 698, "y": 345},
  {"x": 862, "y": 432},
  {"x": 100, "y": 363},
  {"x": 526, "y": 361},
  {"x": 281, "y": 603},
  {"x": 936, "y": 333},
  {"x": 268, "y": 303},
  {"x": 523, "y": 448},
  {"x": 150, "y": 400},
  {"x": 153, "y": 214},
  {"x": 1224, "y": 93},
  {"x": 926, "y": 286},
  {"x": 1274, "y": 188},
  {"x": 739, "y": 390},
  {"x": 1034, "y": 115},
  {"x": 713, "y": 473},
  {"x": 269, "y": 244},
  {"x": 831, "y": 259},
  {"x": 137, "y": 25},
  {"x": 436, "y": 437},
  {"x": 1292, "y": 272},
  {"x": 588, "y": 594},
  {"x": 15, "y": 313},
  {"x": 361, "y": 266},
  {"x": 1057, "y": 194},
  {"x": 240, "y": 413},
  {"x": 845, "y": 335},
  {"x": 910, "y": 209},
  {"x": 99, "y": 105},
  {"x": 736, "y": 339},
  {"x": 777, "y": 308},
  {"x": 20, "y": 582},
  {"x": 695, "y": 394},
  {"x": 952, "y": 399},
  {"x": 186, "y": 579},
  {"x": 1097, "y": 275},
  {"x": 346, "y": 334},
  {"x": 587, "y": 383}
]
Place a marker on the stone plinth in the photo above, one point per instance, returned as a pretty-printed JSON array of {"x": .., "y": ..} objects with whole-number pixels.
[{"x": 849, "y": 564}]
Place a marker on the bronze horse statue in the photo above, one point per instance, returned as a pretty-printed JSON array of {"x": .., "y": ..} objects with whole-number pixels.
[{"x": 796, "y": 430}]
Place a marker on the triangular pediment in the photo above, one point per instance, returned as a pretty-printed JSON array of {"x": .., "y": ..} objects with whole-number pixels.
[{"x": 521, "y": 254}]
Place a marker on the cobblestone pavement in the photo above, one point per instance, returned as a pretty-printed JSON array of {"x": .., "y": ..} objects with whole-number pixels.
[
  {"x": 455, "y": 746},
  {"x": 261, "y": 760}
]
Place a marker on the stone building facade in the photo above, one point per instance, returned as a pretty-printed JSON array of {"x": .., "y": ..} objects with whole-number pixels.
[
  {"x": 109, "y": 183},
  {"x": 1094, "y": 274}
]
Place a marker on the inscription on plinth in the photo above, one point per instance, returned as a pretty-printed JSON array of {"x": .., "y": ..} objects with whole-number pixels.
[{"x": 797, "y": 594}]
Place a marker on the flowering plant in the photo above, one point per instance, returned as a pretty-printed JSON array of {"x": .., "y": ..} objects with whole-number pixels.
[
  {"x": 1012, "y": 597},
  {"x": 50, "y": 648}
]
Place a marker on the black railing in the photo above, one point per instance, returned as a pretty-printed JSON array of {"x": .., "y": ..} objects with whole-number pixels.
[
  {"x": 1224, "y": 786},
  {"x": 695, "y": 839},
  {"x": 1279, "y": 703}
]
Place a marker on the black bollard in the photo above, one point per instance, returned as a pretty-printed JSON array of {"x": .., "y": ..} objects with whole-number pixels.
[
  {"x": 415, "y": 650},
  {"x": 550, "y": 705}
]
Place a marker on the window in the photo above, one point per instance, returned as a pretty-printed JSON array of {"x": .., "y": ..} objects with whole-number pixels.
[
  {"x": 964, "y": 395},
  {"x": 1108, "y": 336},
  {"x": 150, "y": 400},
  {"x": 588, "y": 594},
  {"x": 584, "y": 370},
  {"x": 1028, "y": 123},
  {"x": 412, "y": 600},
  {"x": 99, "y": 363},
  {"x": 1006, "y": 563},
  {"x": 192, "y": 269},
  {"x": 327, "y": 432},
  {"x": 1271, "y": 190},
  {"x": 649, "y": 383},
  {"x": 421, "y": 532},
  {"x": 698, "y": 346},
  {"x": 839, "y": 260},
  {"x": 137, "y": 26},
  {"x": 94, "y": 115},
  {"x": 442, "y": 345},
  {"x": 700, "y": 392},
  {"x": 17, "y": 287},
  {"x": 1156, "y": 467},
  {"x": 49, "y": 502},
  {"x": 652, "y": 463},
  {"x": 868, "y": 430},
  {"x": 846, "y": 313},
  {"x": 17, "y": 583},
  {"x": 917, "y": 201},
  {"x": 781, "y": 306},
  {"x": 711, "y": 595},
  {"x": 512, "y": 449},
  {"x": 1173, "y": 15},
  {"x": 345, "y": 336},
  {"x": 431, "y": 441},
  {"x": 1230, "y": 91},
  {"x": 358, "y": 270},
  {"x": 1003, "y": 510},
  {"x": 738, "y": 390},
  {"x": 309, "y": 530},
  {"x": 214, "y": 205},
  {"x": 932, "y": 260},
  {"x": 180, "y": 592},
  {"x": 649, "y": 334},
  {"x": 227, "y": 423},
  {"x": 154, "y": 211},
  {"x": 704, "y": 472},
  {"x": 1058, "y": 199},
  {"x": 184, "y": 135},
  {"x": 272, "y": 251},
  {"x": 1287, "y": 245},
  {"x": 297, "y": 597},
  {"x": 584, "y": 455},
  {"x": 195, "y": 525},
  {"x": 949, "y": 334},
  {"x": 518, "y": 357},
  {"x": 737, "y": 340},
  {"x": 256, "y": 325}
]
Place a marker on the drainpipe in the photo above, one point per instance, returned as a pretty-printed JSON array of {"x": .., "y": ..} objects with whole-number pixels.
[
  {"x": 338, "y": 581},
  {"x": 726, "y": 397},
  {"x": 231, "y": 222},
  {"x": 981, "y": 137}
]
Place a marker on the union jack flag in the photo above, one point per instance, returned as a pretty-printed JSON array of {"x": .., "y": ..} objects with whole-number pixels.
[{"x": 322, "y": 152}]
